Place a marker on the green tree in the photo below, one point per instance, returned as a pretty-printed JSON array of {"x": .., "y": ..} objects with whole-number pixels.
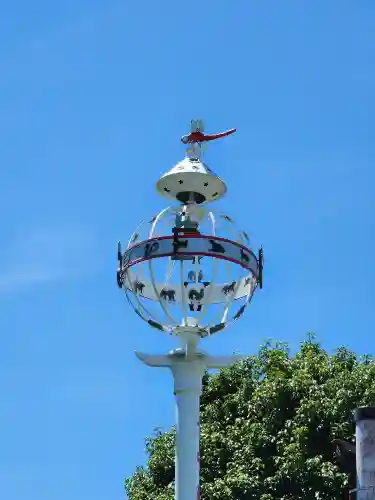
[{"x": 267, "y": 426}]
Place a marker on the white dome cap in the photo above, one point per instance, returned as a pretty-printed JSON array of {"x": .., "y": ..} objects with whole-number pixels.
[{"x": 191, "y": 180}]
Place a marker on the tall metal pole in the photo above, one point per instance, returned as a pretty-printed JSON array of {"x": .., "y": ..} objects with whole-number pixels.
[
  {"x": 187, "y": 376},
  {"x": 187, "y": 367}
]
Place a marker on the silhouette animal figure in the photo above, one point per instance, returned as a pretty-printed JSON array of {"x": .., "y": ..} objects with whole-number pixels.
[
  {"x": 191, "y": 276},
  {"x": 227, "y": 289},
  {"x": 177, "y": 244},
  {"x": 216, "y": 247},
  {"x": 195, "y": 307},
  {"x": 245, "y": 259},
  {"x": 225, "y": 217},
  {"x": 151, "y": 248},
  {"x": 169, "y": 295},
  {"x": 195, "y": 295},
  {"x": 138, "y": 287},
  {"x": 134, "y": 237}
]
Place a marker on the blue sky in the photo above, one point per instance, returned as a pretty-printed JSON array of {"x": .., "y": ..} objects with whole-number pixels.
[{"x": 94, "y": 98}]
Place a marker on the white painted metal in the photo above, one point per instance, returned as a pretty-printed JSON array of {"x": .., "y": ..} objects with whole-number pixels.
[
  {"x": 191, "y": 175},
  {"x": 199, "y": 284},
  {"x": 187, "y": 367}
]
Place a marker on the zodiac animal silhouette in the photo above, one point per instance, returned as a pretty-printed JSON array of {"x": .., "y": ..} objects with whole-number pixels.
[
  {"x": 195, "y": 297},
  {"x": 245, "y": 259},
  {"x": 169, "y": 295},
  {"x": 227, "y": 289},
  {"x": 216, "y": 247},
  {"x": 151, "y": 248},
  {"x": 138, "y": 287}
]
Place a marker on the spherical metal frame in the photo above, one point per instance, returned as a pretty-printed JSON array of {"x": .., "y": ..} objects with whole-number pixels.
[{"x": 180, "y": 247}]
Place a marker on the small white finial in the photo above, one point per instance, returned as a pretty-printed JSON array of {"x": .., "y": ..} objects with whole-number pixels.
[{"x": 194, "y": 150}]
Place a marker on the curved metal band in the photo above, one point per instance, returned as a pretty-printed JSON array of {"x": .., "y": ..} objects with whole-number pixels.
[{"x": 187, "y": 246}]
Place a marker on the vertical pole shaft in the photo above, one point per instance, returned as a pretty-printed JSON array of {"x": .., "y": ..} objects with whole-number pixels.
[
  {"x": 187, "y": 389},
  {"x": 188, "y": 369},
  {"x": 365, "y": 452}
]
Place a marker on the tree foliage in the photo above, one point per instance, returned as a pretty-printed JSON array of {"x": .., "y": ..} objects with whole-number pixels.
[{"x": 267, "y": 426}]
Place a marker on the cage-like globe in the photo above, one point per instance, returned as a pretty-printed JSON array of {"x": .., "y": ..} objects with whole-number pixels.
[{"x": 189, "y": 268}]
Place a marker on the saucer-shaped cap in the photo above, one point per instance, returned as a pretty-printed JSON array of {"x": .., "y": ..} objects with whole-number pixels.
[{"x": 191, "y": 181}]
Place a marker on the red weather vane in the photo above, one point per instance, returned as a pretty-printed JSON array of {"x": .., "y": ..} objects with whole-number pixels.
[{"x": 197, "y": 134}]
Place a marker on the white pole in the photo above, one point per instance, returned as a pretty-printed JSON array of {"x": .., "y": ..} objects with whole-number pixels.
[
  {"x": 188, "y": 369},
  {"x": 187, "y": 376}
]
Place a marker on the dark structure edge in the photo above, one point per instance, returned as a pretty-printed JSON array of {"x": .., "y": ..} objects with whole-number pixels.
[{"x": 364, "y": 413}]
